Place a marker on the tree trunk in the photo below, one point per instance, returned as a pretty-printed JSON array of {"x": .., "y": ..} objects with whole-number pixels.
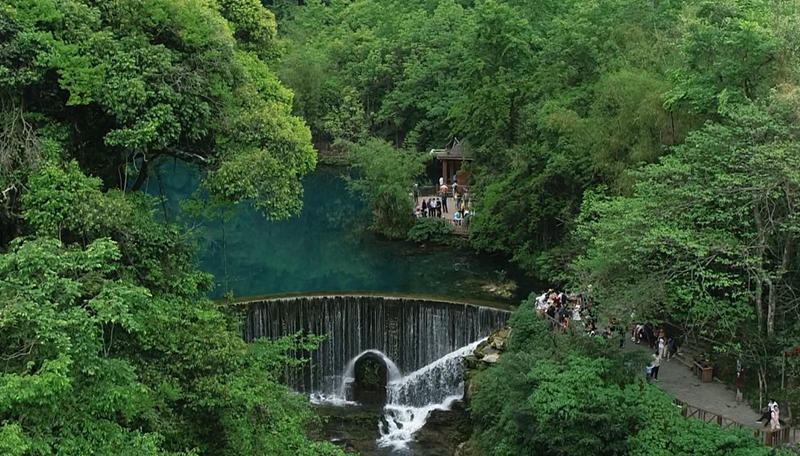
[
  {"x": 142, "y": 176},
  {"x": 760, "y": 274},
  {"x": 759, "y": 298},
  {"x": 771, "y": 300},
  {"x": 772, "y": 309}
]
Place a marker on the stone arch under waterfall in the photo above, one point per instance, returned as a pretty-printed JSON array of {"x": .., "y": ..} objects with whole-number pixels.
[{"x": 411, "y": 332}]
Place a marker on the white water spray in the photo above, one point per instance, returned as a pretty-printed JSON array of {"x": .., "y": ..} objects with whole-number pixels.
[{"x": 411, "y": 398}]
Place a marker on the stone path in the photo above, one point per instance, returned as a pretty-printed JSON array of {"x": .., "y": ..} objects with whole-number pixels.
[{"x": 677, "y": 379}]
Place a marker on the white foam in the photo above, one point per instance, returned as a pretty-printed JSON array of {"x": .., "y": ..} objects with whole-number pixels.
[
  {"x": 400, "y": 422},
  {"x": 413, "y": 397},
  {"x": 328, "y": 399}
]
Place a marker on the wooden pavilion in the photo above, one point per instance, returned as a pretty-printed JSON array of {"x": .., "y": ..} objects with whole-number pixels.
[{"x": 452, "y": 158}]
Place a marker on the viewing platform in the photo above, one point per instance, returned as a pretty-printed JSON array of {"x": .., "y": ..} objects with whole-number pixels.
[{"x": 462, "y": 228}]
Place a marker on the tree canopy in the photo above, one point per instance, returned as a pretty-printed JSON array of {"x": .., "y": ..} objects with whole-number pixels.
[
  {"x": 108, "y": 342},
  {"x": 644, "y": 148},
  {"x": 114, "y": 85}
]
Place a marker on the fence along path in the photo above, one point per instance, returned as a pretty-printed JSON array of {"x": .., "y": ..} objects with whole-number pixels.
[
  {"x": 678, "y": 380},
  {"x": 771, "y": 438}
]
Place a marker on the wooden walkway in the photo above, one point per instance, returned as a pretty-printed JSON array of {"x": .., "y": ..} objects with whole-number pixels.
[
  {"x": 776, "y": 438},
  {"x": 678, "y": 380}
]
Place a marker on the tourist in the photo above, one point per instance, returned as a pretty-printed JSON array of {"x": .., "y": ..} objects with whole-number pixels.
[
  {"x": 439, "y": 208},
  {"x": 457, "y": 218},
  {"x": 649, "y": 335},
  {"x": 672, "y": 347},
  {"x": 656, "y": 364},
  {"x": 541, "y": 302},
  {"x": 431, "y": 208},
  {"x": 767, "y": 415},
  {"x": 443, "y": 195},
  {"x": 424, "y": 207},
  {"x": 551, "y": 312},
  {"x": 576, "y": 312},
  {"x": 662, "y": 345},
  {"x": 775, "y": 418}
]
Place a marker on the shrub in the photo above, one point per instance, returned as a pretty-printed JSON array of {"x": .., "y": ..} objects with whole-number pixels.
[{"x": 430, "y": 229}]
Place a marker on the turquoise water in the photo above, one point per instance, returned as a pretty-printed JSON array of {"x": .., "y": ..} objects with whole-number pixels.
[{"x": 326, "y": 248}]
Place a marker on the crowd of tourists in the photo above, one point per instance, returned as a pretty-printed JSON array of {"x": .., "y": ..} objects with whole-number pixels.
[
  {"x": 564, "y": 312},
  {"x": 437, "y": 206}
]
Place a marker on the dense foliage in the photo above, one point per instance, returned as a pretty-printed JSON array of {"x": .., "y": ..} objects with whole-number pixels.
[
  {"x": 555, "y": 393},
  {"x": 116, "y": 84},
  {"x": 645, "y": 148},
  {"x": 384, "y": 178},
  {"x": 108, "y": 343},
  {"x": 430, "y": 229},
  {"x": 110, "y": 347}
]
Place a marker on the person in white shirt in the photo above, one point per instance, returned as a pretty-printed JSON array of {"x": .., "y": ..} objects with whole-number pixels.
[
  {"x": 541, "y": 301},
  {"x": 767, "y": 415},
  {"x": 655, "y": 366},
  {"x": 662, "y": 347},
  {"x": 775, "y": 417}
]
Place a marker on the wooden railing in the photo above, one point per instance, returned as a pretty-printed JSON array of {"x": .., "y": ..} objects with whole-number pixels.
[{"x": 771, "y": 438}]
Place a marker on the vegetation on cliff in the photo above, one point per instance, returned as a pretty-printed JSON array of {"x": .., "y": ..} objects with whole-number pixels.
[
  {"x": 561, "y": 393},
  {"x": 108, "y": 343},
  {"x": 645, "y": 149}
]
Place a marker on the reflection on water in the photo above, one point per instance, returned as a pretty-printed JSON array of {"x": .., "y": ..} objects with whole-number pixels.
[{"x": 326, "y": 248}]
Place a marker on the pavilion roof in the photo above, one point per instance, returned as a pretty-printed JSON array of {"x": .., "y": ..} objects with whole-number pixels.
[{"x": 456, "y": 150}]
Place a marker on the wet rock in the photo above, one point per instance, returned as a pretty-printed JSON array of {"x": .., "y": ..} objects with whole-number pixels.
[
  {"x": 491, "y": 358},
  {"x": 502, "y": 289},
  {"x": 445, "y": 429},
  {"x": 470, "y": 362},
  {"x": 352, "y": 428},
  {"x": 499, "y": 339},
  {"x": 468, "y": 448}
]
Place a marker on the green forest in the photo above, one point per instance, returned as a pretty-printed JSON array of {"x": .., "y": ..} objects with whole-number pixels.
[{"x": 646, "y": 150}]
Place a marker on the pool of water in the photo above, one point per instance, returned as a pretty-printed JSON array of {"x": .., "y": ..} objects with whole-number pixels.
[{"x": 327, "y": 248}]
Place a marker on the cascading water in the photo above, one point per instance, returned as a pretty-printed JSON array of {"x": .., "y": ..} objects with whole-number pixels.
[
  {"x": 421, "y": 343},
  {"x": 411, "y": 398},
  {"x": 411, "y": 332}
]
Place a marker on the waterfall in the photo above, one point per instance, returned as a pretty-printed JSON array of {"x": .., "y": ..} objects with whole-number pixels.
[
  {"x": 411, "y": 398},
  {"x": 413, "y": 333},
  {"x": 421, "y": 342}
]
